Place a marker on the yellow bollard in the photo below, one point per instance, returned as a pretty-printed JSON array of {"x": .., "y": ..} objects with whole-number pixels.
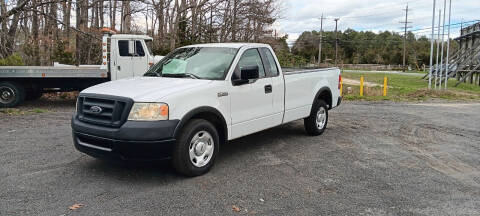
[
  {"x": 361, "y": 86},
  {"x": 385, "y": 86},
  {"x": 341, "y": 87}
]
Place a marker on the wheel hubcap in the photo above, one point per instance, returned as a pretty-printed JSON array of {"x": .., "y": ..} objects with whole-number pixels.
[
  {"x": 321, "y": 118},
  {"x": 7, "y": 94},
  {"x": 201, "y": 148}
]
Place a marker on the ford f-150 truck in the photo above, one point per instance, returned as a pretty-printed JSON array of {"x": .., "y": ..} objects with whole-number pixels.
[{"x": 195, "y": 99}]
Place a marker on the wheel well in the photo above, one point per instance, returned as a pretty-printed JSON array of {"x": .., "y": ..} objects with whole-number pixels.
[
  {"x": 213, "y": 117},
  {"x": 326, "y": 96}
]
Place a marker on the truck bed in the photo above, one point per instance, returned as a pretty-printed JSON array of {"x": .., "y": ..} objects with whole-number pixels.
[
  {"x": 301, "y": 87},
  {"x": 52, "y": 71}
]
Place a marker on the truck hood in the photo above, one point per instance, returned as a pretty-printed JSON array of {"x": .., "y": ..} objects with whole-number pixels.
[{"x": 146, "y": 89}]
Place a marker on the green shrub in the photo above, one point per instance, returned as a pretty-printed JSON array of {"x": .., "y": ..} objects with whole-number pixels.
[
  {"x": 62, "y": 55},
  {"x": 13, "y": 60}
]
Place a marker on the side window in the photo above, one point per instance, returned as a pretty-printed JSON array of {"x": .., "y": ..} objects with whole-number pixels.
[
  {"x": 271, "y": 61},
  {"x": 139, "y": 48},
  {"x": 123, "y": 47},
  {"x": 250, "y": 57}
]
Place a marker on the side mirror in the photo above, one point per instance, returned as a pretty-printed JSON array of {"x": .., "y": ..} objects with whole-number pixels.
[
  {"x": 246, "y": 74},
  {"x": 131, "y": 48}
]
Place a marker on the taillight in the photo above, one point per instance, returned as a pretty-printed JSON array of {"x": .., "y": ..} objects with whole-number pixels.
[{"x": 339, "y": 81}]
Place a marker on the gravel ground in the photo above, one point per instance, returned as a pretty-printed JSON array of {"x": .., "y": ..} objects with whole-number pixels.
[{"x": 374, "y": 159}]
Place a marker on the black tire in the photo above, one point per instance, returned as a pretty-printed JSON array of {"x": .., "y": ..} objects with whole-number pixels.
[
  {"x": 181, "y": 152},
  {"x": 11, "y": 94},
  {"x": 310, "y": 122}
]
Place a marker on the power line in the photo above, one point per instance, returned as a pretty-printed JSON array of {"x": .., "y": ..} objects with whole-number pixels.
[
  {"x": 336, "y": 41},
  {"x": 320, "y": 43},
  {"x": 405, "y": 37},
  {"x": 454, "y": 24}
]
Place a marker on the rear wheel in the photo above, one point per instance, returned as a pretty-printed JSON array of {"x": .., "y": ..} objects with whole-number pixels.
[
  {"x": 11, "y": 94},
  {"x": 316, "y": 123},
  {"x": 196, "y": 148}
]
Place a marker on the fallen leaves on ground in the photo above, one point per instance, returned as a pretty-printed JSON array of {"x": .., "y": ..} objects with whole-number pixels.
[
  {"x": 235, "y": 208},
  {"x": 76, "y": 206}
]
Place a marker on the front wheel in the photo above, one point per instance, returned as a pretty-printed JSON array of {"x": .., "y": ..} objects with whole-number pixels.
[
  {"x": 316, "y": 123},
  {"x": 196, "y": 148}
]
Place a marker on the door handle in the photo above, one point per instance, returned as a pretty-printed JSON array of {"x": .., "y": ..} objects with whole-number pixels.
[
  {"x": 118, "y": 67},
  {"x": 268, "y": 89}
]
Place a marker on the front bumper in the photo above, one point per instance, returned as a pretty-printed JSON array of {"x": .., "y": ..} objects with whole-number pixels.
[{"x": 131, "y": 141}]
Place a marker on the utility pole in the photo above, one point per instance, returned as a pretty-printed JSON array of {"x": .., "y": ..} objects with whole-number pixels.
[
  {"x": 448, "y": 43},
  {"x": 320, "y": 43},
  {"x": 431, "y": 48},
  {"x": 336, "y": 41},
  {"x": 443, "y": 41},
  {"x": 405, "y": 38},
  {"x": 438, "y": 46}
]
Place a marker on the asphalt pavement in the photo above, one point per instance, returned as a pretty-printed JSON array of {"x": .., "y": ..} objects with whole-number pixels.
[{"x": 374, "y": 159}]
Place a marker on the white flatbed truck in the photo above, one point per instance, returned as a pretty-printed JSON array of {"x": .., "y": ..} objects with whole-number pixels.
[{"x": 123, "y": 56}]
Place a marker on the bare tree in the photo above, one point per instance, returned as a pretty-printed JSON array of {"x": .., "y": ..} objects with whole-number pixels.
[{"x": 46, "y": 25}]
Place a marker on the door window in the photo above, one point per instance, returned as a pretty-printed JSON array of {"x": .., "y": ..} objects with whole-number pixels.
[
  {"x": 123, "y": 48},
  {"x": 271, "y": 63},
  {"x": 250, "y": 58}
]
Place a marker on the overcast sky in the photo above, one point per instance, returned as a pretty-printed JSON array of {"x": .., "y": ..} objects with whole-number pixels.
[{"x": 373, "y": 15}]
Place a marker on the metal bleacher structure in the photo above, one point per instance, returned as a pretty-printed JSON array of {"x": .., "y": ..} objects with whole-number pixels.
[{"x": 464, "y": 64}]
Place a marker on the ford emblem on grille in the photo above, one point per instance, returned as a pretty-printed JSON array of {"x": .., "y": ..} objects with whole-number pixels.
[{"x": 95, "y": 110}]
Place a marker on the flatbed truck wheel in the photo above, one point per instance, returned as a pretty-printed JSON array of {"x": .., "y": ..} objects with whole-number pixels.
[{"x": 11, "y": 94}]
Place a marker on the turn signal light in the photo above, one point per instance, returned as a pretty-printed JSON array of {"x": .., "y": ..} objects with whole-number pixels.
[{"x": 339, "y": 81}]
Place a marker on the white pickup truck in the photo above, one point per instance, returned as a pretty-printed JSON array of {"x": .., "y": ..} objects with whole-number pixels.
[{"x": 195, "y": 99}]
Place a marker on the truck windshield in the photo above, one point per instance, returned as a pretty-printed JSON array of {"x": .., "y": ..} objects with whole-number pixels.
[{"x": 195, "y": 62}]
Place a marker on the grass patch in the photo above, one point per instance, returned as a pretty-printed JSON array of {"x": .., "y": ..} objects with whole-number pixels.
[{"x": 406, "y": 88}]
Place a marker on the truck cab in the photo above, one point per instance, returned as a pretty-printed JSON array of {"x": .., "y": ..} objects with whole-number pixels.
[{"x": 126, "y": 56}]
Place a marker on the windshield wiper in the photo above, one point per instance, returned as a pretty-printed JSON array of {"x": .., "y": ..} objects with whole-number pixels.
[
  {"x": 192, "y": 75},
  {"x": 181, "y": 75},
  {"x": 152, "y": 74}
]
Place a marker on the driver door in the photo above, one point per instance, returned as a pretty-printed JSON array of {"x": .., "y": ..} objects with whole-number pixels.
[
  {"x": 123, "y": 64},
  {"x": 251, "y": 103}
]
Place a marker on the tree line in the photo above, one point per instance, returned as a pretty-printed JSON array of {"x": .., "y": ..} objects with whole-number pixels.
[
  {"x": 39, "y": 32},
  {"x": 365, "y": 47},
  {"x": 69, "y": 31}
]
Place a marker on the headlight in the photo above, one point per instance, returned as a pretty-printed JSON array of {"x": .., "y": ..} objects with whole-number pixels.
[{"x": 148, "y": 112}]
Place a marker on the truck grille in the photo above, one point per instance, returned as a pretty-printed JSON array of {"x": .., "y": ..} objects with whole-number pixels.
[{"x": 103, "y": 110}]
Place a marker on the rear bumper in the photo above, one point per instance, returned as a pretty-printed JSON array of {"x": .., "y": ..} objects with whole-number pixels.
[{"x": 132, "y": 141}]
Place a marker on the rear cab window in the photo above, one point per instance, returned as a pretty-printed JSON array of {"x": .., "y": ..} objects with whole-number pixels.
[{"x": 270, "y": 63}]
